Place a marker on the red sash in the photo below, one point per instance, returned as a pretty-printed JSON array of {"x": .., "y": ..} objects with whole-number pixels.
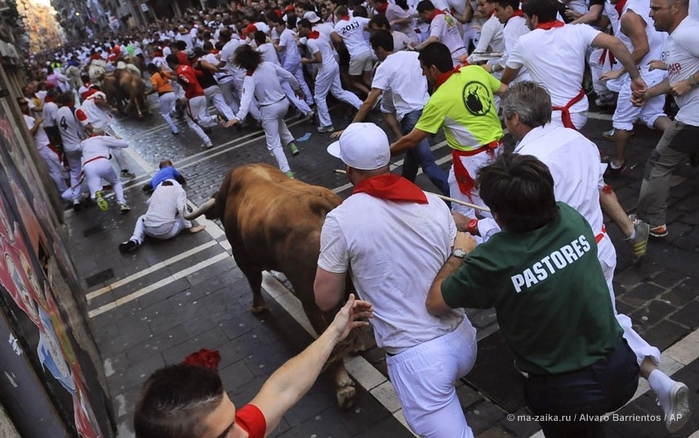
[
  {"x": 463, "y": 179},
  {"x": 565, "y": 110}
]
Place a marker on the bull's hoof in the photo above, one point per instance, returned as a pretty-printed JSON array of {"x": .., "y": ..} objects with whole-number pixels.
[
  {"x": 346, "y": 395},
  {"x": 258, "y": 309}
]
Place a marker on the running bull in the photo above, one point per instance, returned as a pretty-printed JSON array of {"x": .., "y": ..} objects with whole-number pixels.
[{"x": 273, "y": 222}]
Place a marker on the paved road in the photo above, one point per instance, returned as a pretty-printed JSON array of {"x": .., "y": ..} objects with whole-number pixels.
[{"x": 172, "y": 298}]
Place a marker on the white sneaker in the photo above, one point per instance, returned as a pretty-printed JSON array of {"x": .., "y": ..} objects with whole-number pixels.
[
  {"x": 323, "y": 129},
  {"x": 678, "y": 411},
  {"x": 208, "y": 145}
]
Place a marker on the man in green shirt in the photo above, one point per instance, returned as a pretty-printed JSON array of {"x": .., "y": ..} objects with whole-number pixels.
[
  {"x": 463, "y": 104},
  {"x": 542, "y": 275}
]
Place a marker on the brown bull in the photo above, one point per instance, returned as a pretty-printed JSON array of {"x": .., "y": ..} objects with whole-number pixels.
[
  {"x": 274, "y": 222},
  {"x": 122, "y": 86}
]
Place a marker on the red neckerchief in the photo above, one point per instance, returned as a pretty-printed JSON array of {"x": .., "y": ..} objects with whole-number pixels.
[
  {"x": 517, "y": 13},
  {"x": 436, "y": 12},
  {"x": 442, "y": 77},
  {"x": 381, "y": 8},
  {"x": 314, "y": 34},
  {"x": 345, "y": 18},
  {"x": 619, "y": 6},
  {"x": 391, "y": 187},
  {"x": 550, "y": 25}
]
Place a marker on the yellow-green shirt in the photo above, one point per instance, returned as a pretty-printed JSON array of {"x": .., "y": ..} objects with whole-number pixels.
[{"x": 464, "y": 105}]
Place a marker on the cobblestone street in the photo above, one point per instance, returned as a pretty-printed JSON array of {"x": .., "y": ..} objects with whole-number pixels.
[{"x": 171, "y": 298}]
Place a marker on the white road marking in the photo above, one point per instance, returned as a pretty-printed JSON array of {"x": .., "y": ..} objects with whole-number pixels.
[
  {"x": 157, "y": 285},
  {"x": 150, "y": 270}
]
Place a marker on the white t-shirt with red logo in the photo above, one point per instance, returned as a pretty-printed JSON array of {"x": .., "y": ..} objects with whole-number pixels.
[{"x": 681, "y": 56}]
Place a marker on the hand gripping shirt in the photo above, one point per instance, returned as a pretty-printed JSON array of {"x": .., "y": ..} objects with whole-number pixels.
[
  {"x": 465, "y": 107},
  {"x": 549, "y": 292}
]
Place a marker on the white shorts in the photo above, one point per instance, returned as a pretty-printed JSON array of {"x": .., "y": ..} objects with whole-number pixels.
[
  {"x": 360, "y": 63},
  {"x": 626, "y": 114}
]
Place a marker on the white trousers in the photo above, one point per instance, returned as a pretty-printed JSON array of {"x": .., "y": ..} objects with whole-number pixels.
[
  {"x": 97, "y": 170},
  {"x": 163, "y": 232},
  {"x": 607, "y": 257},
  {"x": 232, "y": 91},
  {"x": 166, "y": 104},
  {"x": 276, "y": 131},
  {"x": 55, "y": 168},
  {"x": 328, "y": 80},
  {"x": 74, "y": 158},
  {"x": 423, "y": 377},
  {"x": 198, "y": 116},
  {"x": 293, "y": 98},
  {"x": 626, "y": 113},
  {"x": 298, "y": 74},
  {"x": 213, "y": 95}
]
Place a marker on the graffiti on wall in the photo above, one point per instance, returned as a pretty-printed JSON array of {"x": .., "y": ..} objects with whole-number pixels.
[{"x": 27, "y": 240}]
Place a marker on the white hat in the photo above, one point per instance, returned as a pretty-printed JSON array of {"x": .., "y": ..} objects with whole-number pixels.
[
  {"x": 311, "y": 16},
  {"x": 363, "y": 146}
]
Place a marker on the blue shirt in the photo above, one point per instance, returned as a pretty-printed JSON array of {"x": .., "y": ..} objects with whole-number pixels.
[{"x": 163, "y": 174}]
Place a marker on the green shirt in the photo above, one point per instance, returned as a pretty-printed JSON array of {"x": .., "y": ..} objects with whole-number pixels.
[
  {"x": 465, "y": 106},
  {"x": 548, "y": 289}
]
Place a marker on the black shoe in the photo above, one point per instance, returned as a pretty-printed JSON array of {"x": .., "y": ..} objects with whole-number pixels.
[
  {"x": 129, "y": 246},
  {"x": 614, "y": 173},
  {"x": 77, "y": 206}
]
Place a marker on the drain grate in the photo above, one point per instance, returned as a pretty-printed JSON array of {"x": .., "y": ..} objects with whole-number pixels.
[
  {"x": 99, "y": 277},
  {"x": 93, "y": 230}
]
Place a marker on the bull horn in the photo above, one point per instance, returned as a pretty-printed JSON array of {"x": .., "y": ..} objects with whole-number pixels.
[{"x": 201, "y": 210}]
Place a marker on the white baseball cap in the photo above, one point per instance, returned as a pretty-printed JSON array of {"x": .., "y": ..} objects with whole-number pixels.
[
  {"x": 363, "y": 146},
  {"x": 311, "y": 16}
]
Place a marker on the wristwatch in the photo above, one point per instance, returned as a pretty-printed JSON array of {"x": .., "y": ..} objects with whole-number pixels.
[{"x": 458, "y": 252}]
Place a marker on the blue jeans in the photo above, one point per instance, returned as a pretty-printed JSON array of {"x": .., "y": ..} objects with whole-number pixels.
[{"x": 421, "y": 155}]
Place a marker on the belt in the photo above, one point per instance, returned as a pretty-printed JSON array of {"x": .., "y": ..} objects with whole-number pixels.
[
  {"x": 94, "y": 159},
  {"x": 272, "y": 103}
]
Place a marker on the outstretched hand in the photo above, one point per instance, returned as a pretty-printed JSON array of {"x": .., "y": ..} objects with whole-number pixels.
[
  {"x": 337, "y": 134},
  {"x": 350, "y": 316}
]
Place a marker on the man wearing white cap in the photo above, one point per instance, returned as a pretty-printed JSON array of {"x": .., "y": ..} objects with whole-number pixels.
[{"x": 392, "y": 260}]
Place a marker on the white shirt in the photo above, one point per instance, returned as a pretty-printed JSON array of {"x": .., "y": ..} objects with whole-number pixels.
[
  {"x": 165, "y": 204},
  {"x": 400, "y": 73},
  {"x": 264, "y": 85},
  {"x": 352, "y": 33},
  {"x": 574, "y": 163},
  {"x": 99, "y": 146},
  {"x": 98, "y": 117},
  {"x": 69, "y": 121},
  {"x": 395, "y": 12},
  {"x": 446, "y": 29},
  {"x": 327, "y": 53},
  {"x": 40, "y": 138},
  {"x": 227, "y": 52},
  {"x": 393, "y": 258},
  {"x": 269, "y": 53},
  {"x": 681, "y": 55},
  {"x": 560, "y": 66},
  {"x": 512, "y": 30},
  {"x": 49, "y": 114},
  {"x": 291, "y": 58},
  {"x": 492, "y": 38}
]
